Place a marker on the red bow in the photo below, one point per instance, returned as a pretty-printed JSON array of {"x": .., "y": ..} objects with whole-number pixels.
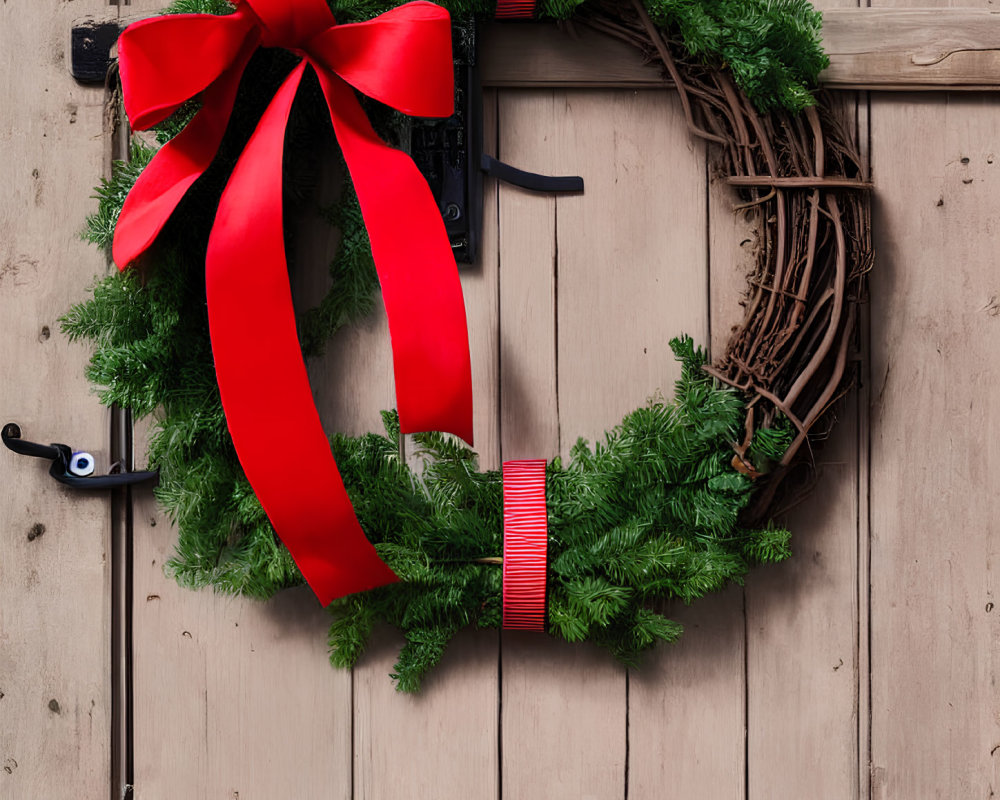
[{"x": 401, "y": 58}]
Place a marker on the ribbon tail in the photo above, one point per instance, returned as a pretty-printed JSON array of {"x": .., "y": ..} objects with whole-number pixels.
[
  {"x": 417, "y": 271},
  {"x": 262, "y": 374},
  {"x": 176, "y": 166}
]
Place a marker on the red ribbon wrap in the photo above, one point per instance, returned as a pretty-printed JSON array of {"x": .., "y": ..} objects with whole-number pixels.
[
  {"x": 515, "y": 9},
  {"x": 401, "y": 58},
  {"x": 525, "y": 545}
]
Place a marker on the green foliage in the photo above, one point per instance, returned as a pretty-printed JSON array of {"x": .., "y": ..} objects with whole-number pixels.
[
  {"x": 352, "y": 271},
  {"x": 218, "y": 7},
  {"x": 770, "y": 444},
  {"x": 651, "y": 512},
  {"x": 110, "y": 195},
  {"x": 772, "y": 47},
  {"x": 152, "y": 353}
]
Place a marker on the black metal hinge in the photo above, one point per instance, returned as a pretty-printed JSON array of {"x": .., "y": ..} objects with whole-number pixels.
[{"x": 90, "y": 49}]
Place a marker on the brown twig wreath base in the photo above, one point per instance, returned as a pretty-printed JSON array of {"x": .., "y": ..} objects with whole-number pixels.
[{"x": 802, "y": 180}]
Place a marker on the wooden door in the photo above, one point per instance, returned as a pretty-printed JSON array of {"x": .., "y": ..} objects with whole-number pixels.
[
  {"x": 55, "y": 603},
  {"x": 862, "y": 668},
  {"x": 570, "y": 310}
]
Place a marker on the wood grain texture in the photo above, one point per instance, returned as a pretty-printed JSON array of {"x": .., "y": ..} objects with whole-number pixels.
[
  {"x": 687, "y": 721},
  {"x": 632, "y": 255},
  {"x": 802, "y": 616},
  {"x": 529, "y": 416},
  {"x": 802, "y": 641},
  {"x": 681, "y": 745},
  {"x": 892, "y": 47},
  {"x": 232, "y": 697},
  {"x": 55, "y": 641},
  {"x": 549, "y": 54},
  {"x": 935, "y": 457},
  {"x": 563, "y": 707},
  {"x": 869, "y": 48},
  {"x": 442, "y": 743},
  {"x": 263, "y": 714},
  {"x": 621, "y": 278}
]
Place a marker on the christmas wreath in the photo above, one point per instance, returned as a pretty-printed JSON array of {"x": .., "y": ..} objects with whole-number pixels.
[{"x": 673, "y": 503}]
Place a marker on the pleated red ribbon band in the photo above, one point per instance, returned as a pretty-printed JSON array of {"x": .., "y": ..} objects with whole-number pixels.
[
  {"x": 515, "y": 9},
  {"x": 525, "y": 545},
  {"x": 402, "y": 59}
]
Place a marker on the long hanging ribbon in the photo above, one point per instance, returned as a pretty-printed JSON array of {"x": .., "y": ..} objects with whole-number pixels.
[
  {"x": 402, "y": 59},
  {"x": 525, "y": 545}
]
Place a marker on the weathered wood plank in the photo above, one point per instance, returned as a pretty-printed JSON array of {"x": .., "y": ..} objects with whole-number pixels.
[
  {"x": 895, "y": 47},
  {"x": 546, "y": 54},
  {"x": 802, "y": 616},
  {"x": 687, "y": 721},
  {"x": 262, "y": 712},
  {"x": 563, "y": 720},
  {"x": 889, "y": 49},
  {"x": 687, "y": 707},
  {"x": 864, "y": 394},
  {"x": 905, "y": 49},
  {"x": 529, "y": 416},
  {"x": 442, "y": 743},
  {"x": 232, "y": 697},
  {"x": 624, "y": 283},
  {"x": 935, "y": 336},
  {"x": 55, "y": 702},
  {"x": 802, "y": 640},
  {"x": 632, "y": 260}
]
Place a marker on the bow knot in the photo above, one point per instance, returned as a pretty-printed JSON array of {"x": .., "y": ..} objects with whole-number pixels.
[
  {"x": 401, "y": 58},
  {"x": 290, "y": 25}
]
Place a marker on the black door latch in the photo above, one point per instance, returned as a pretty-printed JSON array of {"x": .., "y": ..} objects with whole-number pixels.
[{"x": 73, "y": 469}]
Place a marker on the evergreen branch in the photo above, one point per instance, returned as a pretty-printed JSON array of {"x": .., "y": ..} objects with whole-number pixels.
[{"x": 651, "y": 511}]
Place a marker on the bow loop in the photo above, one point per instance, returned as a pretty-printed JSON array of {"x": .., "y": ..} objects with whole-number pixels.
[
  {"x": 291, "y": 25},
  {"x": 402, "y": 58},
  {"x": 167, "y": 60}
]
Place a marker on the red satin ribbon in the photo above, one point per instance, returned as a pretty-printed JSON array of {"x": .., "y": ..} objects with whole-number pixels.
[{"x": 401, "y": 58}]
